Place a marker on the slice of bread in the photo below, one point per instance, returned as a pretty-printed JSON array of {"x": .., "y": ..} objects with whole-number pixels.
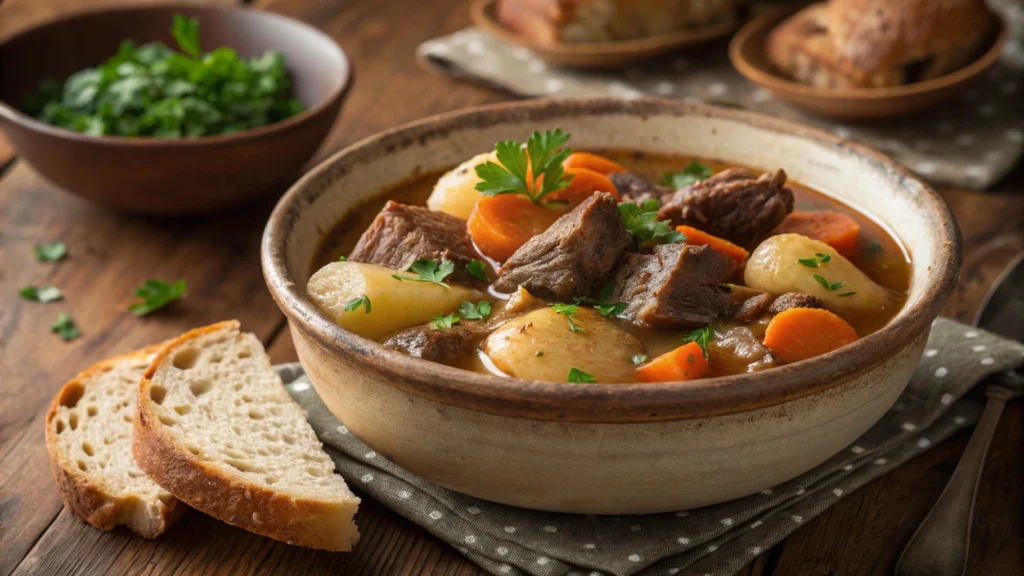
[
  {"x": 215, "y": 426},
  {"x": 89, "y": 437}
]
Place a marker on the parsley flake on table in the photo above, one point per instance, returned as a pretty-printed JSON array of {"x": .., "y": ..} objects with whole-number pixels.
[
  {"x": 428, "y": 270},
  {"x": 477, "y": 270},
  {"x": 41, "y": 293},
  {"x": 543, "y": 155},
  {"x": 470, "y": 311},
  {"x": 65, "y": 327},
  {"x": 441, "y": 322},
  {"x": 702, "y": 336},
  {"x": 355, "y": 303},
  {"x": 51, "y": 251},
  {"x": 578, "y": 376},
  {"x": 642, "y": 222},
  {"x": 156, "y": 294},
  {"x": 692, "y": 173},
  {"x": 830, "y": 286}
]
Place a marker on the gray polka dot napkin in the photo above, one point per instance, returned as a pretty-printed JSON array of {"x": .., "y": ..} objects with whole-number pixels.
[
  {"x": 717, "y": 540},
  {"x": 972, "y": 140}
]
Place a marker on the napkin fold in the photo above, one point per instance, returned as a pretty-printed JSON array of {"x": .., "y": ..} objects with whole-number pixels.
[
  {"x": 715, "y": 540},
  {"x": 970, "y": 141}
]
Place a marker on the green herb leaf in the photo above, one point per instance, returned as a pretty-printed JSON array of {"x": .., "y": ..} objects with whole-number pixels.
[
  {"x": 543, "y": 153},
  {"x": 441, "y": 322},
  {"x": 809, "y": 262},
  {"x": 51, "y": 252},
  {"x": 477, "y": 270},
  {"x": 480, "y": 311},
  {"x": 577, "y": 376},
  {"x": 574, "y": 327},
  {"x": 355, "y": 303},
  {"x": 692, "y": 173},
  {"x": 875, "y": 249},
  {"x": 186, "y": 33},
  {"x": 538, "y": 353},
  {"x": 566, "y": 309},
  {"x": 611, "y": 310},
  {"x": 65, "y": 327},
  {"x": 41, "y": 293},
  {"x": 638, "y": 359},
  {"x": 845, "y": 294},
  {"x": 702, "y": 336},
  {"x": 822, "y": 257},
  {"x": 830, "y": 286},
  {"x": 429, "y": 270},
  {"x": 642, "y": 222},
  {"x": 156, "y": 294},
  {"x": 342, "y": 259}
]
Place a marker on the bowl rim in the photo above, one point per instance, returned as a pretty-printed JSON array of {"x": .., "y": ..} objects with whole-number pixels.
[
  {"x": 14, "y": 114},
  {"x": 771, "y": 80},
  {"x": 610, "y": 403}
]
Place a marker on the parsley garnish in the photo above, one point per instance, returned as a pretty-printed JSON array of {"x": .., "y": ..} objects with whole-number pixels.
[
  {"x": 41, "y": 293},
  {"x": 875, "y": 249},
  {"x": 638, "y": 359},
  {"x": 544, "y": 159},
  {"x": 702, "y": 336},
  {"x": 65, "y": 327},
  {"x": 574, "y": 327},
  {"x": 611, "y": 310},
  {"x": 830, "y": 286},
  {"x": 601, "y": 303},
  {"x": 51, "y": 252},
  {"x": 441, "y": 322},
  {"x": 538, "y": 353},
  {"x": 429, "y": 271},
  {"x": 569, "y": 311},
  {"x": 186, "y": 32},
  {"x": 480, "y": 311},
  {"x": 342, "y": 259},
  {"x": 476, "y": 270},
  {"x": 845, "y": 294},
  {"x": 819, "y": 258},
  {"x": 355, "y": 303},
  {"x": 823, "y": 258},
  {"x": 156, "y": 294},
  {"x": 693, "y": 172},
  {"x": 642, "y": 222},
  {"x": 578, "y": 376}
]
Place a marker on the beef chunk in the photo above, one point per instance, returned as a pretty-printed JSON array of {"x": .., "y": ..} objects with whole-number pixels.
[
  {"x": 636, "y": 189},
  {"x": 449, "y": 346},
  {"x": 734, "y": 204},
  {"x": 571, "y": 257},
  {"x": 402, "y": 234},
  {"x": 753, "y": 308},
  {"x": 738, "y": 349},
  {"x": 675, "y": 286},
  {"x": 794, "y": 300}
]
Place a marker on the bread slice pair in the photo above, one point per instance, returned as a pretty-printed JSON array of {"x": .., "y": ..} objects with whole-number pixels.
[{"x": 214, "y": 426}]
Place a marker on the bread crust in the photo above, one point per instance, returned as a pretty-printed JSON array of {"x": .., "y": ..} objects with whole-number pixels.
[
  {"x": 83, "y": 497},
  {"x": 256, "y": 508}
]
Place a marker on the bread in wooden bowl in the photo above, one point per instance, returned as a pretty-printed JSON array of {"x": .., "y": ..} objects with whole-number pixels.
[{"x": 89, "y": 437}]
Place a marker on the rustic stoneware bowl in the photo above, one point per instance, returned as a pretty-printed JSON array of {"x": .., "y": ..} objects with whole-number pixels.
[
  {"x": 162, "y": 176},
  {"x": 610, "y": 448}
]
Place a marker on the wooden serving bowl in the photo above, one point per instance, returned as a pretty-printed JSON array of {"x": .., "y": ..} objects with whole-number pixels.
[
  {"x": 598, "y": 55},
  {"x": 162, "y": 176},
  {"x": 747, "y": 54},
  {"x": 610, "y": 448}
]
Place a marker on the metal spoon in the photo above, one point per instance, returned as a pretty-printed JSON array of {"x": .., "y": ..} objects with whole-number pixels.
[{"x": 940, "y": 545}]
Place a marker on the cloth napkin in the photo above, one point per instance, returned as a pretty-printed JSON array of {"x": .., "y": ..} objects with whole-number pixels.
[
  {"x": 716, "y": 540},
  {"x": 969, "y": 141}
]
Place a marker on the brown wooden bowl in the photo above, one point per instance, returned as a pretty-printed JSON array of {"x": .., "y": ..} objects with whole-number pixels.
[
  {"x": 162, "y": 176},
  {"x": 748, "y": 56},
  {"x": 597, "y": 55},
  {"x": 610, "y": 448}
]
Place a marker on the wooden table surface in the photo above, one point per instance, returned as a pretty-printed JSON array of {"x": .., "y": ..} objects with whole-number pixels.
[{"x": 111, "y": 254}]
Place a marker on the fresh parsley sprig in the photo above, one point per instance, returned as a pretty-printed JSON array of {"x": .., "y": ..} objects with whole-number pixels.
[
  {"x": 642, "y": 222},
  {"x": 541, "y": 158},
  {"x": 428, "y": 270},
  {"x": 355, "y": 303},
  {"x": 65, "y": 327},
  {"x": 702, "y": 336},
  {"x": 692, "y": 173},
  {"x": 477, "y": 270},
  {"x": 442, "y": 322},
  {"x": 471, "y": 311},
  {"x": 156, "y": 294},
  {"x": 569, "y": 311},
  {"x": 819, "y": 258},
  {"x": 577, "y": 376},
  {"x": 830, "y": 286}
]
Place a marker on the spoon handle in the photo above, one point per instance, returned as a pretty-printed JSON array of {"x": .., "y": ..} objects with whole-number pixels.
[{"x": 939, "y": 547}]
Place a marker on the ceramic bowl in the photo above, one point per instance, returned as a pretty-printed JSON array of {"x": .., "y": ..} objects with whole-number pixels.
[
  {"x": 747, "y": 54},
  {"x": 610, "y": 448},
  {"x": 163, "y": 176}
]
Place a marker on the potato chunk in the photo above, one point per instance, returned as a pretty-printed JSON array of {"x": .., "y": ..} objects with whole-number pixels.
[
  {"x": 604, "y": 350},
  {"x": 394, "y": 304},
  {"x": 455, "y": 193},
  {"x": 773, "y": 268}
]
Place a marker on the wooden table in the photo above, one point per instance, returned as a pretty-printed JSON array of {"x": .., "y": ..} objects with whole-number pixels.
[{"x": 111, "y": 254}]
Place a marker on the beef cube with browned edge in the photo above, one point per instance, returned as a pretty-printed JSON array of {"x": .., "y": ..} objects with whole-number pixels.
[
  {"x": 573, "y": 256},
  {"x": 676, "y": 286},
  {"x": 636, "y": 189},
  {"x": 402, "y": 234},
  {"x": 791, "y": 300},
  {"x": 734, "y": 204},
  {"x": 449, "y": 346}
]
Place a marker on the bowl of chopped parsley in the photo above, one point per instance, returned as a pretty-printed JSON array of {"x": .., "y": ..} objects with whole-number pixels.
[{"x": 170, "y": 110}]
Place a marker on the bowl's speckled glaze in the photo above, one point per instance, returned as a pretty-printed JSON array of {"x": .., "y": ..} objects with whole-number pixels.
[{"x": 632, "y": 448}]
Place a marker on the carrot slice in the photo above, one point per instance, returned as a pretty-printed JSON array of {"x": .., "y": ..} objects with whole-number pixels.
[
  {"x": 499, "y": 225},
  {"x": 684, "y": 363},
  {"x": 833, "y": 228},
  {"x": 721, "y": 245},
  {"x": 584, "y": 183},
  {"x": 598, "y": 164},
  {"x": 802, "y": 333}
]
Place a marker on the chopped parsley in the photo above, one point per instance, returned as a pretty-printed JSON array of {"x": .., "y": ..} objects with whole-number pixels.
[
  {"x": 692, "y": 173},
  {"x": 342, "y": 259},
  {"x": 830, "y": 286},
  {"x": 471, "y": 311},
  {"x": 638, "y": 359},
  {"x": 65, "y": 327},
  {"x": 441, "y": 322},
  {"x": 819, "y": 258},
  {"x": 51, "y": 252},
  {"x": 156, "y": 294},
  {"x": 542, "y": 156},
  {"x": 574, "y": 327},
  {"x": 355, "y": 303},
  {"x": 601, "y": 303},
  {"x": 538, "y": 353},
  {"x": 578, "y": 376},
  {"x": 41, "y": 293},
  {"x": 428, "y": 270},
  {"x": 569, "y": 311},
  {"x": 477, "y": 270},
  {"x": 611, "y": 310},
  {"x": 642, "y": 222},
  {"x": 875, "y": 249},
  {"x": 845, "y": 294},
  {"x": 702, "y": 336}
]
